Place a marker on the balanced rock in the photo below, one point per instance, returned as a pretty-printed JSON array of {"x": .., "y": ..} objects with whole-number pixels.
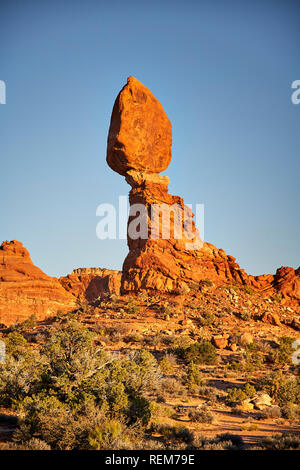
[
  {"x": 139, "y": 147},
  {"x": 140, "y": 133}
]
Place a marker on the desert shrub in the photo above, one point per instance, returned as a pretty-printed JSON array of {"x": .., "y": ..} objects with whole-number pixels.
[
  {"x": 134, "y": 338},
  {"x": 237, "y": 395},
  {"x": 172, "y": 386},
  {"x": 143, "y": 373},
  {"x": 235, "y": 439},
  {"x": 252, "y": 360},
  {"x": 194, "y": 286},
  {"x": 117, "y": 333},
  {"x": 283, "y": 353},
  {"x": 169, "y": 433},
  {"x": 157, "y": 410},
  {"x": 37, "y": 444},
  {"x": 27, "y": 324},
  {"x": 194, "y": 377},
  {"x": 291, "y": 411},
  {"x": 282, "y": 442},
  {"x": 277, "y": 297},
  {"x": 209, "y": 392},
  {"x": 248, "y": 290},
  {"x": 201, "y": 416},
  {"x": 15, "y": 344},
  {"x": 282, "y": 389},
  {"x": 165, "y": 311},
  {"x": 117, "y": 398},
  {"x": 132, "y": 307},
  {"x": 220, "y": 442},
  {"x": 207, "y": 319},
  {"x": 167, "y": 364},
  {"x": 177, "y": 344},
  {"x": 271, "y": 412},
  {"x": 65, "y": 391},
  {"x": 140, "y": 410},
  {"x": 200, "y": 353},
  {"x": 71, "y": 386},
  {"x": 55, "y": 423},
  {"x": 114, "y": 300},
  {"x": 20, "y": 377},
  {"x": 106, "y": 435}
]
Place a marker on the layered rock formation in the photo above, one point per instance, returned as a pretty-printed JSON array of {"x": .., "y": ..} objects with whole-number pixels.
[
  {"x": 286, "y": 282},
  {"x": 25, "y": 290},
  {"x": 90, "y": 283},
  {"x": 139, "y": 147}
]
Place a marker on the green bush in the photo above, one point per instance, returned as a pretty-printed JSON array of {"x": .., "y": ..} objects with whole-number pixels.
[
  {"x": 15, "y": 344},
  {"x": 283, "y": 353},
  {"x": 237, "y": 395},
  {"x": 132, "y": 307},
  {"x": 194, "y": 377},
  {"x": 284, "y": 390},
  {"x": 157, "y": 410},
  {"x": 200, "y": 353},
  {"x": 167, "y": 364},
  {"x": 106, "y": 435},
  {"x": 65, "y": 391},
  {"x": 169, "y": 433},
  {"x": 140, "y": 410}
]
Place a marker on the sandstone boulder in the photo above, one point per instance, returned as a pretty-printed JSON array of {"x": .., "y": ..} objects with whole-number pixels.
[
  {"x": 219, "y": 342},
  {"x": 140, "y": 133},
  {"x": 262, "y": 401}
]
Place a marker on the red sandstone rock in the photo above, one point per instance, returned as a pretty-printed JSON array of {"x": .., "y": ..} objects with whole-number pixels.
[
  {"x": 271, "y": 318},
  {"x": 90, "y": 283},
  {"x": 219, "y": 342},
  {"x": 25, "y": 290},
  {"x": 140, "y": 133}
]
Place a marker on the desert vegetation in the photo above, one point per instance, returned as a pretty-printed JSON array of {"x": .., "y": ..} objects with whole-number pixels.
[{"x": 146, "y": 373}]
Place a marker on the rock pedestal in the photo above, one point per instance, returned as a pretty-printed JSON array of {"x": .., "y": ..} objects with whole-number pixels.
[{"x": 139, "y": 147}]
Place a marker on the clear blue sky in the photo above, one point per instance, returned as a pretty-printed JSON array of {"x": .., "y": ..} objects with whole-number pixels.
[{"x": 223, "y": 72}]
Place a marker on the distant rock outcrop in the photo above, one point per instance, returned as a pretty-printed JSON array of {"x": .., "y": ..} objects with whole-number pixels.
[
  {"x": 286, "y": 283},
  {"x": 25, "y": 290},
  {"x": 90, "y": 283}
]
